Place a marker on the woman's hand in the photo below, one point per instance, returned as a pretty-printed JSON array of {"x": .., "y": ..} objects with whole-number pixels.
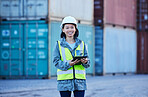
[
  {"x": 71, "y": 63},
  {"x": 84, "y": 60}
]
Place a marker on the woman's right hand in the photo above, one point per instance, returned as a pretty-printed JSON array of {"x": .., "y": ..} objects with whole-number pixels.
[{"x": 71, "y": 63}]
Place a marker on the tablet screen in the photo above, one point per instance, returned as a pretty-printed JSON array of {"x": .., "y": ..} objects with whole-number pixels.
[{"x": 78, "y": 57}]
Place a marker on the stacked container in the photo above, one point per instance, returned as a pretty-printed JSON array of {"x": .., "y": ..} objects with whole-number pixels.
[
  {"x": 23, "y": 39},
  {"x": 119, "y": 36},
  {"x": 98, "y": 12},
  {"x": 142, "y": 37},
  {"x": 83, "y": 12},
  {"x": 98, "y": 22},
  {"x": 120, "y": 12},
  {"x": 23, "y": 9}
]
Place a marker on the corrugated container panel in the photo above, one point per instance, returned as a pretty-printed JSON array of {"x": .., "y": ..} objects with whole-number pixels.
[
  {"x": 98, "y": 50},
  {"x": 80, "y": 9},
  {"x": 98, "y": 21},
  {"x": 142, "y": 52},
  {"x": 35, "y": 8},
  {"x": 24, "y": 49},
  {"x": 119, "y": 50},
  {"x": 146, "y": 52},
  {"x": 23, "y": 9},
  {"x": 55, "y": 33},
  {"x": 10, "y": 50},
  {"x": 11, "y": 8},
  {"x": 142, "y": 15},
  {"x": 120, "y": 12},
  {"x": 98, "y": 12},
  {"x": 36, "y": 46},
  {"x": 98, "y": 8},
  {"x": 88, "y": 30}
]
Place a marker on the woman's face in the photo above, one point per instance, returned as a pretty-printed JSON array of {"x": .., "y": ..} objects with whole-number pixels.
[{"x": 69, "y": 30}]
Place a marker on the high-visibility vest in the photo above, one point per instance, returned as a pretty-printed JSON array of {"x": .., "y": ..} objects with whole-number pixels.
[{"x": 77, "y": 70}]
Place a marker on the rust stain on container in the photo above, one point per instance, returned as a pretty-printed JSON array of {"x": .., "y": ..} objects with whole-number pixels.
[
  {"x": 120, "y": 12},
  {"x": 142, "y": 52}
]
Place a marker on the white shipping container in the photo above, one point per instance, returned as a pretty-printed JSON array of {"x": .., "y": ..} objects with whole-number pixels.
[
  {"x": 36, "y": 8},
  {"x": 80, "y": 9},
  {"x": 23, "y": 9},
  {"x": 119, "y": 50},
  {"x": 11, "y": 8}
]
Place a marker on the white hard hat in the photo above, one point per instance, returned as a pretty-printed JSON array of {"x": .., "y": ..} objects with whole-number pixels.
[{"x": 69, "y": 20}]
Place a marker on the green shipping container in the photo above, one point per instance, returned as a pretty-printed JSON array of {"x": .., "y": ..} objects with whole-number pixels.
[
  {"x": 87, "y": 30},
  {"x": 23, "y": 49}
]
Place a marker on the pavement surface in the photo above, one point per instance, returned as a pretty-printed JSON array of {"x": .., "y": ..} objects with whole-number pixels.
[{"x": 98, "y": 86}]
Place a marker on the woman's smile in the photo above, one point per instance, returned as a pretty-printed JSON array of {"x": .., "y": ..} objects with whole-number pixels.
[{"x": 70, "y": 33}]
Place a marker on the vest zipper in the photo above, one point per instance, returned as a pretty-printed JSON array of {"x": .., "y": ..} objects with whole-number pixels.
[
  {"x": 73, "y": 67},
  {"x": 73, "y": 72}
]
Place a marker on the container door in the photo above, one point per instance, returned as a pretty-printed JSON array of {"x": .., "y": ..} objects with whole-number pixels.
[
  {"x": 36, "y": 49},
  {"x": 11, "y": 8},
  {"x": 88, "y": 31},
  {"x": 98, "y": 12},
  {"x": 119, "y": 50},
  {"x": 11, "y": 45},
  {"x": 98, "y": 50},
  {"x": 142, "y": 52},
  {"x": 35, "y": 8},
  {"x": 146, "y": 52},
  {"x": 55, "y": 36}
]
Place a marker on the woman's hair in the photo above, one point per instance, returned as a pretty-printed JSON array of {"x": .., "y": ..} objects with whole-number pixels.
[{"x": 75, "y": 35}]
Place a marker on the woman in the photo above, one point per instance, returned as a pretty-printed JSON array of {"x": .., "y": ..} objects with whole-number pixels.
[{"x": 70, "y": 73}]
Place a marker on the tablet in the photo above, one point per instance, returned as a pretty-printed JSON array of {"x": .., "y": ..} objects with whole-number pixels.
[{"x": 78, "y": 57}]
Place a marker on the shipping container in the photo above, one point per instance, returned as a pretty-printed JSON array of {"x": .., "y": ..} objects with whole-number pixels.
[
  {"x": 98, "y": 50},
  {"x": 89, "y": 39},
  {"x": 142, "y": 52},
  {"x": 23, "y": 49},
  {"x": 11, "y": 8},
  {"x": 54, "y": 33},
  {"x": 23, "y": 9},
  {"x": 80, "y": 9},
  {"x": 87, "y": 30},
  {"x": 142, "y": 15},
  {"x": 10, "y": 50},
  {"x": 119, "y": 50},
  {"x": 120, "y": 12},
  {"x": 98, "y": 12}
]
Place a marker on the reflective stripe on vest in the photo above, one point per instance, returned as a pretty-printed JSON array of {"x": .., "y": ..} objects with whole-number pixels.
[{"x": 66, "y": 56}]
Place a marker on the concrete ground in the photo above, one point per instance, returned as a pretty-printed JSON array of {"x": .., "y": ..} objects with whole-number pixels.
[{"x": 98, "y": 86}]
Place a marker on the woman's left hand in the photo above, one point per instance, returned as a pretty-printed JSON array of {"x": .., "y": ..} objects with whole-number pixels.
[{"x": 84, "y": 60}]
